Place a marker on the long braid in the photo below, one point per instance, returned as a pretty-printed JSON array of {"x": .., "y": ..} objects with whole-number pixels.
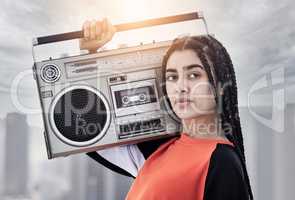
[
  {"x": 206, "y": 48},
  {"x": 236, "y": 120},
  {"x": 231, "y": 113}
]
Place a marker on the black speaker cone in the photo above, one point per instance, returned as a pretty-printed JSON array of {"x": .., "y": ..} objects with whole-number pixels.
[{"x": 80, "y": 115}]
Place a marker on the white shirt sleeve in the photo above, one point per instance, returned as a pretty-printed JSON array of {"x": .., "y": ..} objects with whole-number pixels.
[{"x": 127, "y": 157}]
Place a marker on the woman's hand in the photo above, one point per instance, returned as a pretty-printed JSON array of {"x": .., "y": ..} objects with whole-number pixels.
[{"x": 96, "y": 34}]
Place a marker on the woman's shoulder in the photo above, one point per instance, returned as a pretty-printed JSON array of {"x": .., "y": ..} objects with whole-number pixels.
[
  {"x": 127, "y": 159},
  {"x": 225, "y": 156},
  {"x": 149, "y": 147},
  {"x": 225, "y": 178}
]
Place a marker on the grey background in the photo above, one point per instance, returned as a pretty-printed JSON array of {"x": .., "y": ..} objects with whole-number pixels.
[{"x": 259, "y": 36}]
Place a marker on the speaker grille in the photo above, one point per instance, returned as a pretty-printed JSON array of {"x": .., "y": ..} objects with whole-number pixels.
[{"x": 80, "y": 115}]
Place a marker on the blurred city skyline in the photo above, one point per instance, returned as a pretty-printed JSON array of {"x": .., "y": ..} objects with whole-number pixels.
[
  {"x": 259, "y": 36},
  {"x": 26, "y": 173}
]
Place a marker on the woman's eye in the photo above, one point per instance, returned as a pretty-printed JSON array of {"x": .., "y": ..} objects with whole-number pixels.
[
  {"x": 171, "y": 78},
  {"x": 193, "y": 75}
]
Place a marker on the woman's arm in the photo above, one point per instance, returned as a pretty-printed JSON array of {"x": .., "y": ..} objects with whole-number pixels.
[
  {"x": 127, "y": 160},
  {"x": 225, "y": 178}
]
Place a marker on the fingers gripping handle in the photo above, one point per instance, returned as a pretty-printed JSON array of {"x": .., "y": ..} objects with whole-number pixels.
[{"x": 121, "y": 27}]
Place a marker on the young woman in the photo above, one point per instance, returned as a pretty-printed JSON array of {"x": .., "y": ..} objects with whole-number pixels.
[{"x": 207, "y": 161}]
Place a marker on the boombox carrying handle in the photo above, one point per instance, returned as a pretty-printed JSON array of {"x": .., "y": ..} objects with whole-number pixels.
[{"x": 123, "y": 27}]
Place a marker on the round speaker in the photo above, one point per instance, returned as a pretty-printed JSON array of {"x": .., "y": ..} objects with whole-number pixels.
[
  {"x": 80, "y": 115},
  {"x": 50, "y": 73}
]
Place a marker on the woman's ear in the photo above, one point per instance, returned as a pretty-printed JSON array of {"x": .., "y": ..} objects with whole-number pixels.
[{"x": 221, "y": 92}]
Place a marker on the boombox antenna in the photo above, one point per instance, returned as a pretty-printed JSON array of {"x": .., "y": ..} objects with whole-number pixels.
[{"x": 124, "y": 27}]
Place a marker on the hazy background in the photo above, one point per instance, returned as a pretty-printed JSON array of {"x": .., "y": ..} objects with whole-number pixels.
[{"x": 259, "y": 36}]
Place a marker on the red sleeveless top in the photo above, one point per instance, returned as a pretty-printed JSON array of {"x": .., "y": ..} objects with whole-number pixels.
[{"x": 176, "y": 170}]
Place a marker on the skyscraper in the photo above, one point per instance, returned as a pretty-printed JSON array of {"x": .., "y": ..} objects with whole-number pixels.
[
  {"x": 16, "y": 155},
  {"x": 2, "y": 153}
]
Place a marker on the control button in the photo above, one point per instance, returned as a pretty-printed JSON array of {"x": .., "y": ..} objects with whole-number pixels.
[
  {"x": 142, "y": 97},
  {"x": 50, "y": 73}
]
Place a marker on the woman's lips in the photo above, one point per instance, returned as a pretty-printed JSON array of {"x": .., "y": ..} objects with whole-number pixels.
[{"x": 183, "y": 104}]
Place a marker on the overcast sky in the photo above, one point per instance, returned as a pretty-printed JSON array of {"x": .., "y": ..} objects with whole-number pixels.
[{"x": 259, "y": 34}]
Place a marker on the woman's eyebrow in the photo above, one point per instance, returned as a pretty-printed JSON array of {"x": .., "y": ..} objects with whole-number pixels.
[
  {"x": 171, "y": 70},
  {"x": 188, "y": 67}
]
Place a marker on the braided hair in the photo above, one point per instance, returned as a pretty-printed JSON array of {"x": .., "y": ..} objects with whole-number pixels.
[{"x": 221, "y": 75}]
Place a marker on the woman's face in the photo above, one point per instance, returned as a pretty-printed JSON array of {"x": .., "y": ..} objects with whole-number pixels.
[{"x": 187, "y": 85}]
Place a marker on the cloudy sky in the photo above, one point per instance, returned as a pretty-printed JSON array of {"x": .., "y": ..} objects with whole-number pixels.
[{"x": 259, "y": 35}]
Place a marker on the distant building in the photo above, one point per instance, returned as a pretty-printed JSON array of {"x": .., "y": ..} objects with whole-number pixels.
[
  {"x": 78, "y": 176},
  {"x": 92, "y": 181},
  {"x": 16, "y": 156},
  {"x": 86, "y": 179},
  {"x": 2, "y": 153},
  {"x": 103, "y": 183}
]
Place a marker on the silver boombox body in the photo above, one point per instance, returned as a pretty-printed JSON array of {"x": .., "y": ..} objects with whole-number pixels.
[
  {"x": 100, "y": 100},
  {"x": 109, "y": 98}
]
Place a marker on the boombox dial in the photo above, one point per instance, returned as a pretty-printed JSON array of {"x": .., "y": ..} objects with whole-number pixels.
[
  {"x": 80, "y": 115},
  {"x": 50, "y": 73}
]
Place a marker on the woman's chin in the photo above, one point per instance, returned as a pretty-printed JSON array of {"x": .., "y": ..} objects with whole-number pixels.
[
  {"x": 190, "y": 114},
  {"x": 187, "y": 115}
]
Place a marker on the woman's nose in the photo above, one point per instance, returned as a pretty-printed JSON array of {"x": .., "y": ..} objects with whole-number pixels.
[{"x": 182, "y": 86}]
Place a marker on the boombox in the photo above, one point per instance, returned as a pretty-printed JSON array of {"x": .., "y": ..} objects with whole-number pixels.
[{"x": 99, "y": 100}]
